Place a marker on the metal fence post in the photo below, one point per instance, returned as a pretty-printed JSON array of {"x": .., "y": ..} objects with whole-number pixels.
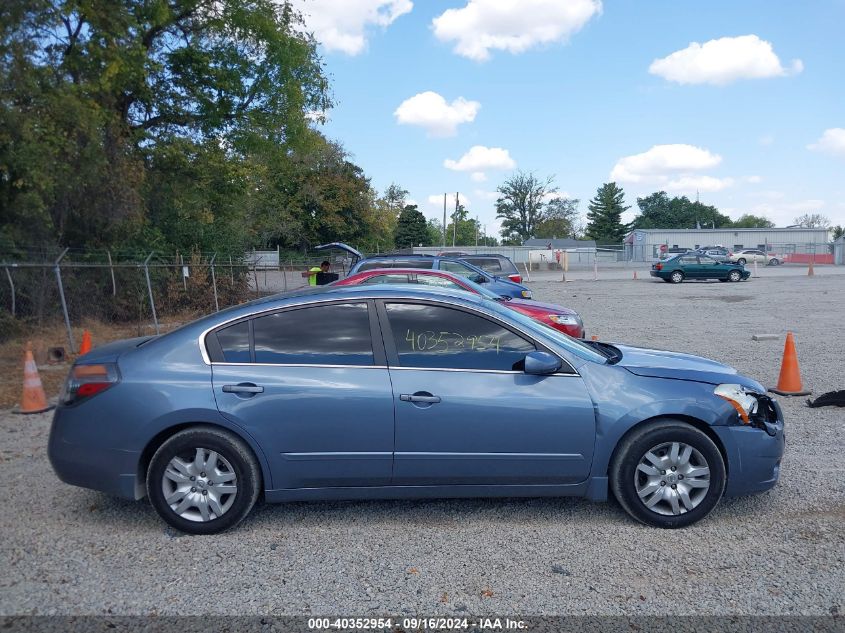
[
  {"x": 150, "y": 290},
  {"x": 58, "y": 271},
  {"x": 12, "y": 285},
  {"x": 214, "y": 283},
  {"x": 113, "y": 283}
]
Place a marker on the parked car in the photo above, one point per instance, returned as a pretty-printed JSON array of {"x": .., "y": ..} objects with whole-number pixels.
[
  {"x": 500, "y": 285},
  {"x": 560, "y": 318},
  {"x": 693, "y": 266},
  {"x": 747, "y": 255},
  {"x": 367, "y": 392}
]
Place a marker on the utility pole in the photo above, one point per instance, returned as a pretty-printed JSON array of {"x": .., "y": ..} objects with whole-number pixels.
[
  {"x": 444, "y": 220},
  {"x": 455, "y": 217}
]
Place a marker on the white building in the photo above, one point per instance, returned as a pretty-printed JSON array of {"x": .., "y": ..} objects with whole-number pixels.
[{"x": 796, "y": 244}]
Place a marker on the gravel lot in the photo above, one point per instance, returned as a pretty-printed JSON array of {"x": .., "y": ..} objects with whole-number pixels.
[{"x": 70, "y": 551}]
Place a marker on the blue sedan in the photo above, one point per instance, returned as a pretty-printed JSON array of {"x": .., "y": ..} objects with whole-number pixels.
[{"x": 373, "y": 392}]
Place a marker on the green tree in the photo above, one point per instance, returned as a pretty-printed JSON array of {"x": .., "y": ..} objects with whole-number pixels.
[
  {"x": 659, "y": 211},
  {"x": 411, "y": 228},
  {"x": 559, "y": 218},
  {"x": 749, "y": 221},
  {"x": 521, "y": 203},
  {"x": 604, "y": 219},
  {"x": 97, "y": 98}
]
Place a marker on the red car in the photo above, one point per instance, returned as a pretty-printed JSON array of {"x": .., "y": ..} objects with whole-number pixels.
[{"x": 560, "y": 318}]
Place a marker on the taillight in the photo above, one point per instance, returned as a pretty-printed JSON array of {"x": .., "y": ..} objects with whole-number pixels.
[
  {"x": 515, "y": 278},
  {"x": 85, "y": 381}
]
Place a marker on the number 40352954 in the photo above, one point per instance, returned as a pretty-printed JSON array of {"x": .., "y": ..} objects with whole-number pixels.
[{"x": 444, "y": 341}]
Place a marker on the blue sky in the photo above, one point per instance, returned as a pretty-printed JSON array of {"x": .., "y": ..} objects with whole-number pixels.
[{"x": 753, "y": 116}]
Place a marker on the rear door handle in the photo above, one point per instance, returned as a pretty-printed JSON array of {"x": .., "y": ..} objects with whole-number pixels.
[
  {"x": 245, "y": 388},
  {"x": 428, "y": 398}
]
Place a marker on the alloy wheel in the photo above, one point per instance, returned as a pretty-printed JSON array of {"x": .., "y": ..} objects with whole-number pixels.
[
  {"x": 201, "y": 486},
  {"x": 672, "y": 478}
]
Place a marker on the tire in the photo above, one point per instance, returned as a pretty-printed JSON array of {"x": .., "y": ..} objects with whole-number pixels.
[
  {"x": 676, "y": 277},
  {"x": 734, "y": 276},
  {"x": 233, "y": 463},
  {"x": 633, "y": 487},
  {"x": 741, "y": 261}
]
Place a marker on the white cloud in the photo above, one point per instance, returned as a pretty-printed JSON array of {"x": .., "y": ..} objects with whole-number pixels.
[
  {"x": 341, "y": 25},
  {"x": 480, "y": 159},
  {"x": 688, "y": 184},
  {"x": 430, "y": 111},
  {"x": 831, "y": 142},
  {"x": 661, "y": 160},
  {"x": 436, "y": 201},
  {"x": 511, "y": 25},
  {"x": 723, "y": 61}
]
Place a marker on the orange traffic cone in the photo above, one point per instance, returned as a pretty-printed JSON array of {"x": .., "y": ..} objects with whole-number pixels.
[
  {"x": 789, "y": 382},
  {"x": 810, "y": 272},
  {"x": 33, "y": 399},
  {"x": 86, "y": 343}
]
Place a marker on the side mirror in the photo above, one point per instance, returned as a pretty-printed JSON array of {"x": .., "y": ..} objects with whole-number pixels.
[{"x": 541, "y": 363}]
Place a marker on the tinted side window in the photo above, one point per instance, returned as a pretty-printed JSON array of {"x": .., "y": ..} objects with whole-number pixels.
[
  {"x": 438, "y": 337},
  {"x": 485, "y": 263},
  {"x": 439, "y": 282},
  {"x": 457, "y": 267},
  {"x": 234, "y": 342},
  {"x": 322, "y": 335}
]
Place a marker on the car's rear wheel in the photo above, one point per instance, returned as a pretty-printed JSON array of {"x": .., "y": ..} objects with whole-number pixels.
[
  {"x": 667, "y": 474},
  {"x": 676, "y": 277},
  {"x": 203, "y": 480},
  {"x": 734, "y": 275},
  {"x": 741, "y": 261}
]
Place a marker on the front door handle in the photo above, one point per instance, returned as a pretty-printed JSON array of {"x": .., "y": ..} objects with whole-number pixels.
[
  {"x": 243, "y": 388},
  {"x": 419, "y": 397}
]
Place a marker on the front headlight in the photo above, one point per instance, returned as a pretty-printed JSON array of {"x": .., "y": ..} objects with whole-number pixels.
[
  {"x": 526, "y": 294},
  {"x": 744, "y": 402},
  {"x": 563, "y": 319}
]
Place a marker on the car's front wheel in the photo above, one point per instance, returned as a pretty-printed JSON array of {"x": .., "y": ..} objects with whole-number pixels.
[
  {"x": 734, "y": 275},
  {"x": 203, "y": 480},
  {"x": 667, "y": 474},
  {"x": 677, "y": 277}
]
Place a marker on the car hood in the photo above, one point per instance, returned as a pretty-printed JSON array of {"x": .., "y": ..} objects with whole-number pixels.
[
  {"x": 661, "y": 364},
  {"x": 539, "y": 305}
]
